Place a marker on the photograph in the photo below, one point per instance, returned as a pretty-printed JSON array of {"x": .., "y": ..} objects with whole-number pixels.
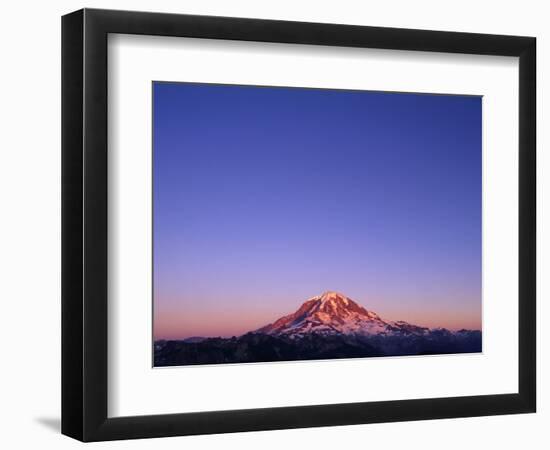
[{"x": 296, "y": 224}]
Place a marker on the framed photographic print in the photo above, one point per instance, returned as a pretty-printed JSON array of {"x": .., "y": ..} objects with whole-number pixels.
[{"x": 273, "y": 224}]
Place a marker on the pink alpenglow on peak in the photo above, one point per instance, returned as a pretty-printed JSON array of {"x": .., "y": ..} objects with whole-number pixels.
[{"x": 333, "y": 313}]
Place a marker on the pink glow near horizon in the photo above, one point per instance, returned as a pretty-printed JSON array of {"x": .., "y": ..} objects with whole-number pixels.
[{"x": 184, "y": 322}]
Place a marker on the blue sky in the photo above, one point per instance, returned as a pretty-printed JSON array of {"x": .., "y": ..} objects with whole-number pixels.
[{"x": 266, "y": 196}]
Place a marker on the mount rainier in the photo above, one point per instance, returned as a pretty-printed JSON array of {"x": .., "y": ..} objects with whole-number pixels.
[
  {"x": 333, "y": 313},
  {"x": 327, "y": 326}
]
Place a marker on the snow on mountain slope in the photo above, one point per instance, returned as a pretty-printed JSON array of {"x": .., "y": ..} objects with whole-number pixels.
[{"x": 334, "y": 313}]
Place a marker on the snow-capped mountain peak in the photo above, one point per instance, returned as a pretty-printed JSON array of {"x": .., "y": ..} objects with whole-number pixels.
[
  {"x": 334, "y": 313},
  {"x": 332, "y": 296}
]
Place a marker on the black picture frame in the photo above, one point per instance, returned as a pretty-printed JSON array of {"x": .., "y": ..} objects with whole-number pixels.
[{"x": 84, "y": 224}]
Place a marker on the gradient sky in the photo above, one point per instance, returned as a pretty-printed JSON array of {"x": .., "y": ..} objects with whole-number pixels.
[{"x": 265, "y": 197}]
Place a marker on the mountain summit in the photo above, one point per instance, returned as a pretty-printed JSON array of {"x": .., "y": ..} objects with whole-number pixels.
[{"x": 332, "y": 313}]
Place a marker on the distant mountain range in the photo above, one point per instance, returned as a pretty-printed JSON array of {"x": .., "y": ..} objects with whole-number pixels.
[{"x": 327, "y": 326}]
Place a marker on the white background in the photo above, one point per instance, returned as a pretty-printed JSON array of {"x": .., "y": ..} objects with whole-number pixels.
[
  {"x": 136, "y": 389},
  {"x": 30, "y": 234}
]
